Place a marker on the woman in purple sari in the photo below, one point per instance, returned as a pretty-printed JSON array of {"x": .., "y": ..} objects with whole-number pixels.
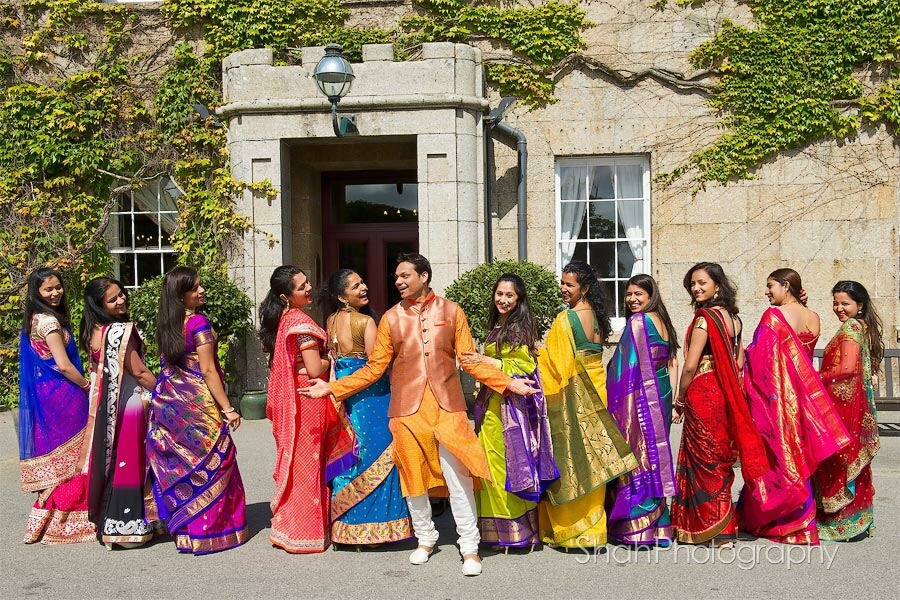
[
  {"x": 197, "y": 485},
  {"x": 115, "y": 447},
  {"x": 53, "y": 410},
  {"x": 639, "y": 389}
]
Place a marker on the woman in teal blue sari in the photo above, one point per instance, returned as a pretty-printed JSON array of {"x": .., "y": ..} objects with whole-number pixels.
[
  {"x": 639, "y": 389},
  {"x": 367, "y": 507}
]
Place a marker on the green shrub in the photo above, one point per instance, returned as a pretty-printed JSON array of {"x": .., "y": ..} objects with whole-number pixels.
[
  {"x": 227, "y": 307},
  {"x": 472, "y": 291}
]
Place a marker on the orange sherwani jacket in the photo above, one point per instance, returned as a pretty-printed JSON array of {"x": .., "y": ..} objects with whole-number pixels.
[{"x": 424, "y": 341}]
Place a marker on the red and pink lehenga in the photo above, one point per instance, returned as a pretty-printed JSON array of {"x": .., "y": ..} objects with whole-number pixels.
[
  {"x": 313, "y": 441},
  {"x": 717, "y": 430},
  {"x": 120, "y": 501},
  {"x": 799, "y": 426},
  {"x": 197, "y": 485},
  {"x": 843, "y": 482},
  {"x": 52, "y": 416}
]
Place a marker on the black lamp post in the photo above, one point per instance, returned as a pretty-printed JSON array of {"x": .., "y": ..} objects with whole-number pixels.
[{"x": 334, "y": 77}]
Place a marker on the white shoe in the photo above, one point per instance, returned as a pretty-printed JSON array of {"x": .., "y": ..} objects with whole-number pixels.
[
  {"x": 420, "y": 555},
  {"x": 471, "y": 566}
]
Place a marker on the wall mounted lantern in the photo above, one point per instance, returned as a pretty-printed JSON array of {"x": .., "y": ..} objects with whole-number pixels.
[{"x": 334, "y": 77}]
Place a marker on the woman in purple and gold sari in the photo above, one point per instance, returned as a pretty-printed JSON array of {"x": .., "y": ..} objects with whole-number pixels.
[
  {"x": 53, "y": 411},
  {"x": 115, "y": 446},
  {"x": 639, "y": 388},
  {"x": 197, "y": 485},
  {"x": 717, "y": 424},
  {"x": 843, "y": 482},
  {"x": 793, "y": 414}
]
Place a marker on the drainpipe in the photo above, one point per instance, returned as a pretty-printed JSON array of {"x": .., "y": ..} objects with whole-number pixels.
[{"x": 494, "y": 122}]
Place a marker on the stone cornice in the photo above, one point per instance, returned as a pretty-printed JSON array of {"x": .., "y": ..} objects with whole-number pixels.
[{"x": 353, "y": 103}]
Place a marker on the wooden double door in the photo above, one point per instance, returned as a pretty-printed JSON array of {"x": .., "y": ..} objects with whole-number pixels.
[{"x": 369, "y": 218}]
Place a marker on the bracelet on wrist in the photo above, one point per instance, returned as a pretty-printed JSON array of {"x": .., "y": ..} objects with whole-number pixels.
[{"x": 229, "y": 411}]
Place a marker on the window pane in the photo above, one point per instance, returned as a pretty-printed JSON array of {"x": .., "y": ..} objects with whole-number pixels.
[
  {"x": 572, "y": 221},
  {"x": 170, "y": 260},
  {"x": 376, "y": 203},
  {"x": 571, "y": 183},
  {"x": 146, "y": 232},
  {"x": 352, "y": 255},
  {"x": 148, "y": 266},
  {"x": 627, "y": 260},
  {"x": 631, "y": 217},
  {"x": 630, "y": 181},
  {"x": 124, "y": 240},
  {"x": 602, "y": 220},
  {"x": 602, "y": 256},
  {"x": 126, "y": 269},
  {"x": 602, "y": 182}
]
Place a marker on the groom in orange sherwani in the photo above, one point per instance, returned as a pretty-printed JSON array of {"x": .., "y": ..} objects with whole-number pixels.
[{"x": 435, "y": 447}]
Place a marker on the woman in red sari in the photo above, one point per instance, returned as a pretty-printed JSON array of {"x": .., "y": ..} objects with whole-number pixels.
[
  {"x": 313, "y": 441},
  {"x": 717, "y": 425},
  {"x": 793, "y": 413},
  {"x": 852, "y": 358}
]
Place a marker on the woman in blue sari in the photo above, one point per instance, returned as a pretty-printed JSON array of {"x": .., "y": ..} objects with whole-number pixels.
[
  {"x": 53, "y": 412},
  {"x": 367, "y": 507},
  {"x": 639, "y": 388}
]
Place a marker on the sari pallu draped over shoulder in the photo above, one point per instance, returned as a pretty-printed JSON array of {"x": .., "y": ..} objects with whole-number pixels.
[
  {"x": 52, "y": 417},
  {"x": 197, "y": 485},
  {"x": 640, "y": 405},
  {"x": 314, "y": 442},
  {"x": 717, "y": 423},
  {"x": 114, "y": 455},
  {"x": 515, "y": 434},
  {"x": 843, "y": 482},
  {"x": 797, "y": 421},
  {"x": 588, "y": 448}
]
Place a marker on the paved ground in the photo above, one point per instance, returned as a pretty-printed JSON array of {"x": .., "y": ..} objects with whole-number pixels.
[{"x": 867, "y": 569}]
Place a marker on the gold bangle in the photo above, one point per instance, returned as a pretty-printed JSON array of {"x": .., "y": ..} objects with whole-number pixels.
[{"x": 229, "y": 411}]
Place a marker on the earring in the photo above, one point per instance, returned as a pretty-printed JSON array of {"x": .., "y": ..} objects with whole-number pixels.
[
  {"x": 716, "y": 295},
  {"x": 346, "y": 305}
]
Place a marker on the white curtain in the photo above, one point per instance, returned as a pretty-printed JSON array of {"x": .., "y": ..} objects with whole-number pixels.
[
  {"x": 630, "y": 184},
  {"x": 572, "y": 185}
]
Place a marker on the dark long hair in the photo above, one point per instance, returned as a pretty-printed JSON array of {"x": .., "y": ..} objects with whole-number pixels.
[
  {"x": 519, "y": 328},
  {"x": 648, "y": 284},
  {"x": 170, "y": 320},
  {"x": 790, "y": 278},
  {"x": 596, "y": 297},
  {"x": 727, "y": 296},
  {"x": 272, "y": 306},
  {"x": 94, "y": 312},
  {"x": 868, "y": 315},
  {"x": 334, "y": 286},
  {"x": 34, "y": 304}
]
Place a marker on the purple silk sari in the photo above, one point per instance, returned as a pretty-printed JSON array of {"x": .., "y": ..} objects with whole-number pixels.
[
  {"x": 640, "y": 401},
  {"x": 197, "y": 484}
]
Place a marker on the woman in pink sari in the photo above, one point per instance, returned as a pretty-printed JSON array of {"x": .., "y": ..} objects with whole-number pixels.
[
  {"x": 852, "y": 358},
  {"x": 197, "y": 485},
  {"x": 53, "y": 410},
  {"x": 313, "y": 439},
  {"x": 793, "y": 414}
]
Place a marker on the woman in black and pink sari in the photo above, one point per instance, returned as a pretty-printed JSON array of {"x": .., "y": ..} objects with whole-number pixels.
[
  {"x": 712, "y": 404},
  {"x": 115, "y": 445}
]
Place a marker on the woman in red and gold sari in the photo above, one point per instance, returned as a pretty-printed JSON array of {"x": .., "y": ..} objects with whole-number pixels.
[
  {"x": 843, "y": 482},
  {"x": 793, "y": 414},
  {"x": 313, "y": 440},
  {"x": 717, "y": 424}
]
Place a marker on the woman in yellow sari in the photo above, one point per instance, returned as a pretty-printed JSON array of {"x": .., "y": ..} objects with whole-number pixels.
[{"x": 588, "y": 447}]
